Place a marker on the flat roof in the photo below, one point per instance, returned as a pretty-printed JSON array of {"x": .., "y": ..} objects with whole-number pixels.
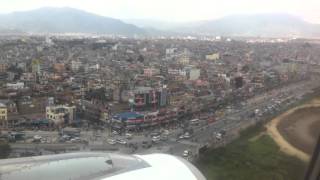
[{"x": 128, "y": 115}]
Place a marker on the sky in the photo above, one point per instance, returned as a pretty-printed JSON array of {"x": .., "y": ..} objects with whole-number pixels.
[{"x": 174, "y": 10}]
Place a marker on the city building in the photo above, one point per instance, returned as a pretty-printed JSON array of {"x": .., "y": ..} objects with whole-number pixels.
[
  {"x": 75, "y": 65},
  {"x": 3, "y": 67},
  {"x": 59, "y": 67},
  {"x": 61, "y": 114},
  {"x": 214, "y": 56},
  {"x": 35, "y": 67},
  {"x": 92, "y": 112},
  {"x": 3, "y": 115},
  {"x": 127, "y": 121},
  {"x": 151, "y": 72},
  {"x": 147, "y": 97},
  {"x": 193, "y": 73},
  {"x": 11, "y": 106},
  {"x": 15, "y": 86}
]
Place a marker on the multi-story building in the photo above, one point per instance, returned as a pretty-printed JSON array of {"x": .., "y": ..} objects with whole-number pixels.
[
  {"x": 3, "y": 115},
  {"x": 93, "y": 112},
  {"x": 151, "y": 72},
  {"x": 3, "y": 67},
  {"x": 15, "y": 86},
  {"x": 126, "y": 121},
  {"x": 214, "y": 56},
  {"x": 59, "y": 67},
  {"x": 138, "y": 121},
  {"x": 75, "y": 65},
  {"x": 11, "y": 106},
  {"x": 36, "y": 68},
  {"x": 147, "y": 97},
  {"x": 194, "y": 74},
  {"x": 61, "y": 114}
]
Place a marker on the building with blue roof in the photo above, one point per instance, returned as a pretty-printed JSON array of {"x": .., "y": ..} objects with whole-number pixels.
[{"x": 127, "y": 120}]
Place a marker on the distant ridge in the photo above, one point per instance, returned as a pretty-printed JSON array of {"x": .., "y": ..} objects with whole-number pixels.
[
  {"x": 65, "y": 20},
  {"x": 264, "y": 25},
  {"x": 69, "y": 20}
]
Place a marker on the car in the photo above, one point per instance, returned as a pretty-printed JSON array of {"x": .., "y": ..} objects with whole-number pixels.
[
  {"x": 121, "y": 141},
  {"x": 186, "y": 153},
  {"x": 218, "y": 136},
  {"x": 128, "y": 136},
  {"x": 37, "y": 138},
  {"x": 155, "y": 139},
  {"x": 186, "y": 135},
  {"x": 155, "y": 134},
  {"x": 43, "y": 140},
  {"x": 181, "y": 136},
  {"x": 76, "y": 139},
  {"x": 111, "y": 141},
  {"x": 115, "y": 133},
  {"x": 166, "y": 132},
  {"x": 194, "y": 122},
  {"x": 66, "y": 137}
]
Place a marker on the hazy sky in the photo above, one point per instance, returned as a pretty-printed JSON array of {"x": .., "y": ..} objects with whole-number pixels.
[{"x": 174, "y": 10}]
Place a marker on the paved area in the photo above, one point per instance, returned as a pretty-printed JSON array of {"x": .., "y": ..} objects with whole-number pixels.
[{"x": 232, "y": 122}]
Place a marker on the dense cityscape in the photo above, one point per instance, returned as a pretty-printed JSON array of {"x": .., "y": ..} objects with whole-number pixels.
[{"x": 178, "y": 96}]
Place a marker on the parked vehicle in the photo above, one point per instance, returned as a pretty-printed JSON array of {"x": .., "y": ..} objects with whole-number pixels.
[
  {"x": 186, "y": 153},
  {"x": 111, "y": 141},
  {"x": 121, "y": 141},
  {"x": 37, "y": 138},
  {"x": 155, "y": 139},
  {"x": 194, "y": 122},
  {"x": 115, "y": 133},
  {"x": 156, "y": 133},
  {"x": 128, "y": 136}
]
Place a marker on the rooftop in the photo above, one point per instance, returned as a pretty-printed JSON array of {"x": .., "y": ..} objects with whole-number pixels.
[
  {"x": 128, "y": 115},
  {"x": 2, "y": 105}
]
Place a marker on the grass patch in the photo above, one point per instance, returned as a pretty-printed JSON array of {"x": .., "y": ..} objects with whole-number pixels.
[{"x": 250, "y": 160}]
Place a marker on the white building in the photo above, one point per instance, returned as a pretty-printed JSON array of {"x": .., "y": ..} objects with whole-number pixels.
[
  {"x": 214, "y": 56},
  {"x": 61, "y": 114},
  {"x": 75, "y": 65},
  {"x": 194, "y": 74},
  {"x": 15, "y": 86}
]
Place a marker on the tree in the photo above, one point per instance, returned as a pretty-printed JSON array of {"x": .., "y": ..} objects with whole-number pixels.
[
  {"x": 5, "y": 149},
  {"x": 141, "y": 58},
  {"x": 98, "y": 94}
]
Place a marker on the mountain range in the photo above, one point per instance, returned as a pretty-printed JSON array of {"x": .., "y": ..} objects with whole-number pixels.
[
  {"x": 69, "y": 20},
  {"x": 65, "y": 20}
]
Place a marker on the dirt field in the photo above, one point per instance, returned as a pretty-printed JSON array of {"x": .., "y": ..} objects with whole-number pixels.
[
  {"x": 301, "y": 128},
  {"x": 296, "y": 130}
]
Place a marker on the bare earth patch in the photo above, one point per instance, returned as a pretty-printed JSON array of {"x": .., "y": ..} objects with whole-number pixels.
[{"x": 297, "y": 130}]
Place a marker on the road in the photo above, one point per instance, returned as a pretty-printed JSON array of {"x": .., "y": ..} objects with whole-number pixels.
[{"x": 233, "y": 121}]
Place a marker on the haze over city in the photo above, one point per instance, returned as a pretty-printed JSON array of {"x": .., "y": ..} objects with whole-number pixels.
[
  {"x": 159, "y": 89},
  {"x": 174, "y": 11}
]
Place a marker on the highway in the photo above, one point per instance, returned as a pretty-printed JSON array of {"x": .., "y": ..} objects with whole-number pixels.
[{"x": 233, "y": 121}]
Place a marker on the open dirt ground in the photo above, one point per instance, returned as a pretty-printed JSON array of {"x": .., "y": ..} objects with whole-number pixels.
[{"x": 296, "y": 131}]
